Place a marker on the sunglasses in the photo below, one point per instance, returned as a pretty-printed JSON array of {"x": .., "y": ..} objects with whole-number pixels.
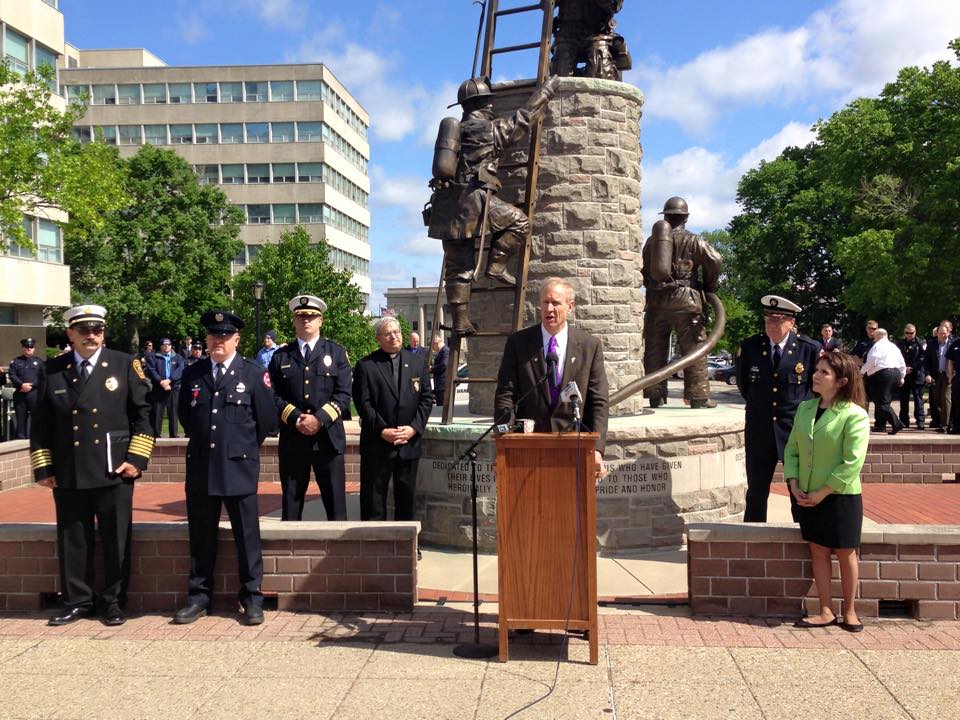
[
  {"x": 89, "y": 329},
  {"x": 778, "y": 316}
]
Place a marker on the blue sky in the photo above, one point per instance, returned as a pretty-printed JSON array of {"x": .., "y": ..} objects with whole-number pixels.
[{"x": 727, "y": 84}]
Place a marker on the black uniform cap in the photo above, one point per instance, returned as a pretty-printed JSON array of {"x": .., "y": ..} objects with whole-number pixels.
[
  {"x": 28, "y": 343},
  {"x": 221, "y": 322}
]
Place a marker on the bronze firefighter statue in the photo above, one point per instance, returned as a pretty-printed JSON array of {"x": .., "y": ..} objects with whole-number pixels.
[
  {"x": 583, "y": 33},
  {"x": 464, "y": 205},
  {"x": 678, "y": 269}
]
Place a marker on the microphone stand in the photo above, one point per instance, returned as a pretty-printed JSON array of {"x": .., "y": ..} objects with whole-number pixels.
[{"x": 477, "y": 650}]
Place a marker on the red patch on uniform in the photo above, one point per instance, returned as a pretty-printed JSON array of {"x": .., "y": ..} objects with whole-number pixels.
[{"x": 266, "y": 379}]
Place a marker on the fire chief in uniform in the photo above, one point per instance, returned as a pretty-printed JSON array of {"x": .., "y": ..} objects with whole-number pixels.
[
  {"x": 91, "y": 438},
  {"x": 311, "y": 386},
  {"x": 774, "y": 374},
  {"x": 226, "y": 408}
]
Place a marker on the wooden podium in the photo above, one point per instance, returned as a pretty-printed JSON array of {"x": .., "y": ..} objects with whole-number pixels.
[{"x": 546, "y": 545}]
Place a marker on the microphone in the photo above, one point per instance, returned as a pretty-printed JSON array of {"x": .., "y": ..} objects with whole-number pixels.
[
  {"x": 552, "y": 361},
  {"x": 571, "y": 394},
  {"x": 509, "y": 427}
]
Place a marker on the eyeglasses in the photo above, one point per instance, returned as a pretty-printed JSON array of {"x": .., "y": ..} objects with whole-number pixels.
[
  {"x": 89, "y": 329},
  {"x": 778, "y": 316},
  {"x": 908, "y": 332}
]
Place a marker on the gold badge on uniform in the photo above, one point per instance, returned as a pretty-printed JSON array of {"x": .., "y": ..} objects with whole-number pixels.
[
  {"x": 799, "y": 369},
  {"x": 416, "y": 384},
  {"x": 111, "y": 383},
  {"x": 137, "y": 368},
  {"x": 240, "y": 387},
  {"x": 218, "y": 317},
  {"x": 327, "y": 361}
]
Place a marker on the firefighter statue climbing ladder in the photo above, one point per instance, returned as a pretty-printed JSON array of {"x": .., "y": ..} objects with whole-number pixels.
[{"x": 482, "y": 244}]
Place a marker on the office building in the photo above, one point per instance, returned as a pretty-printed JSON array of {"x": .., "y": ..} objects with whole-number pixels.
[
  {"x": 31, "y": 34},
  {"x": 287, "y": 143}
]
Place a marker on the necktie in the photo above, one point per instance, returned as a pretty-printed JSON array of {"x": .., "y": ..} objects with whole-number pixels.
[
  {"x": 306, "y": 353},
  {"x": 776, "y": 356},
  {"x": 218, "y": 375},
  {"x": 84, "y": 371},
  {"x": 554, "y": 379}
]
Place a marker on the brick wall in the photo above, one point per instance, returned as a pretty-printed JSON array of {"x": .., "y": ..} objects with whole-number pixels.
[
  {"x": 765, "y": 570},
  {"x": 326, "y": 567},
  {"x": 167, "y": 462},
  {"x": 905, "y": 459}
]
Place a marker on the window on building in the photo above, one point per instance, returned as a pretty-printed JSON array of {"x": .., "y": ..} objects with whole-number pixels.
[
  {"x": 206, "y": 134},
  {"x": 181, "y": 134},
  {"x": 104, "y": 95},
  {"x": 281, "y": 91},
  {"x": 308, "y": 90},
  {"x": 76, "y": 94},
  {"x": 43, "y": 56},
  {"x": 208, "y": 174},
  {"x": 255, "y": 91},
  {"x": 107, "y": 134},
  {"x": 130, "y": 135},
  {"x": 258, "y": 132},
  {"x": 310, "y": 212},
  {"x": 309, "y": 131},
  {"x": 205, "y": 92},
  {"x": 258, "y": 214},
  {"x": 155, "y": 134},
  {"x": 73, "y": 63},
  {"x": 232, "y": 174},
  {"x": 180, "y": 93},
  {"x": 16, "y": 48},
  {"x": 17, "y": 250},
  {"x": 241, "y": 258},
  {"x": 258, "y": 173},
  {"x": 81, "y": 133},
  {"x": 285, "y": 214},
  {"x": 231, "y": 133},
  {"x": 7, "y": 315},
  {"x": 252, "y": 252},
  {"x": 284, "y": 173},
  {"x": 49, "y": 247},
  {"x": 155, "y": 94},
  {"x": 231, "y": 92},
  {"x": 310, "y": 172},
  {"x": 128, "y": 94},
  {"x": 281, "y": 132}
]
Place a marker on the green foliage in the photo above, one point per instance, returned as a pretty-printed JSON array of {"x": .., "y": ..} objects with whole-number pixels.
[
  {"x": 406, "y": 329},
  {"x": 42, "y": 168},
  {"x": 160, "y": 263},
  {"x": 864, "y": 222},
  {"x": 742, "y": 321},
  {"x": 297, "y": 267}
]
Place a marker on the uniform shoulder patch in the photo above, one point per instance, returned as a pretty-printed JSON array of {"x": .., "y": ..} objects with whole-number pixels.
[
  {"x": 266, "y": 379},
  {"x": 138, "y": 369}
]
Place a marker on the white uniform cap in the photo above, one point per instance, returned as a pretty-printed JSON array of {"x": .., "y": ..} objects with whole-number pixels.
[
  {"x": 775, "y": 303},
  {"x": 85, "y": 313},
  {"x": 307, "y": 305}
]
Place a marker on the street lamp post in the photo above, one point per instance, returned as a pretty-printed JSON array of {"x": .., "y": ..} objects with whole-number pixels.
[{"x": 257, "y": 291}]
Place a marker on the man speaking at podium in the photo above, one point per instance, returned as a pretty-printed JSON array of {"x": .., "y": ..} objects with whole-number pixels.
[{"x": 542, "y": 363}]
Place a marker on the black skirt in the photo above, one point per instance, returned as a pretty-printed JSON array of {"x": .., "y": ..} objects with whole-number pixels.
[{"x": 835, "y": 523}]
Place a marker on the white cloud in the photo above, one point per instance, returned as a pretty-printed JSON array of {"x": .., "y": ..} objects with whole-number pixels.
[
  {"x": 192, "y": 27},
  {"x": 708, "y": 180},
  {"x": 848, "y": 50},
  {"x": 290, "y": 14},
  {"x": 401, "y": 191},
  {"x": 423, "y": 246}
]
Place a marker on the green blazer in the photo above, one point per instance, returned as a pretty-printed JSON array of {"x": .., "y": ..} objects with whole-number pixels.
[{"x": 829, "y": 451}]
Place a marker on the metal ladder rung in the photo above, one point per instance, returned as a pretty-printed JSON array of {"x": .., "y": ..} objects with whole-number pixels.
[
  {"x": 520, "y": 9},
  {"x": 498, "y": 288},
  {"x": 515, "y": 48}
]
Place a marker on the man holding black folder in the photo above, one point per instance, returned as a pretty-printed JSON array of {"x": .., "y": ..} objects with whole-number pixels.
[
  {"x": 91, "y": 439},
  {"x": 540, "y": 361}
]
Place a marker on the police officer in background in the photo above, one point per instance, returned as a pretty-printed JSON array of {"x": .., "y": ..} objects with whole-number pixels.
[
  {"x": 226, "y": 408},
  {"x": 774, "y": 374},
  {"x": 913, "y": 350},
  {"x": 311, "y": 386},
  {"x": 25, "y": 373},
  {"x": 91, "y": 440}
]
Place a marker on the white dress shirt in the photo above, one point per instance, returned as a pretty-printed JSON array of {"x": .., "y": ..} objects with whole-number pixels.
[
  {"x": 79, "y": 359},
  {"x": 882, "y": 356}
]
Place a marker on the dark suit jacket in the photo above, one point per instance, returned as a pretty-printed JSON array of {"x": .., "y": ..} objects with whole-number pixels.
[
  {"x": 382, "y": 405},
  {"x": 75, "y": 422},
  {"x": 522, "y": 390},
  {"x": 226, "y": 426},
  {"x": 831, "y": 345},
  {"x": 156, "y": 368}
]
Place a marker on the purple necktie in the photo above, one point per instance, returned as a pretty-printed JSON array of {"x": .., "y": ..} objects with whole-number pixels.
[{"x": 555, "y": 380}]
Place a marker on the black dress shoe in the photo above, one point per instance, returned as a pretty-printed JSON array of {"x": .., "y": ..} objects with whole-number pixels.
[
  {"x": 70, "y": 615},
  {"x": 253, "y": 615},
  {"x": 114, "y": 616},
  {"x": 188, "y": 614}
]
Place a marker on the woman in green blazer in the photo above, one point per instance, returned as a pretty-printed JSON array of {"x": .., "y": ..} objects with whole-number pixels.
[{"x": 822, "y": 462}]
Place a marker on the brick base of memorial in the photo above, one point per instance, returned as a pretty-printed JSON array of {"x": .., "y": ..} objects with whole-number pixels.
[
  {"x": 764, "y": 570},
  {"x": 321, "y": 566}
]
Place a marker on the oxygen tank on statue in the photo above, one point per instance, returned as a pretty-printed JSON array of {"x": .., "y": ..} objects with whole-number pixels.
[{"x": 446, "y": 151}]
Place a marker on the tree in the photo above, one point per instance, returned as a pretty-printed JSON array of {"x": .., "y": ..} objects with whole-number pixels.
[
  {"x": 297, "y": 267},
  {"x": 742, "y": 321},
  {"x": 160, "y": 263},
  {"x": 865, "y": 221},
  {"x": 42, "y": 167}
]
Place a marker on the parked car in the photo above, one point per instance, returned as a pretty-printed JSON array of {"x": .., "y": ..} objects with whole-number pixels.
[{"x": 727, "y": 374}]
